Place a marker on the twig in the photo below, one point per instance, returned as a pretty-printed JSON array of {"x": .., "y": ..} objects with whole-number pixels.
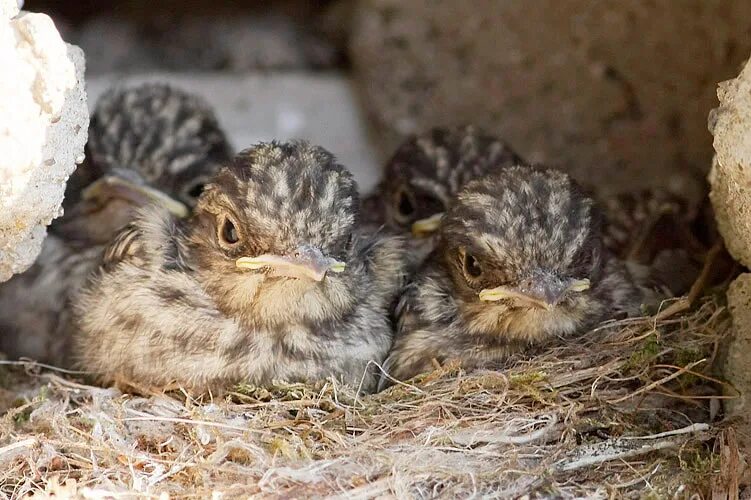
[
  {"x": 621, "y": 448},
  {"x": 641, "y": 479},
  {"x": 468, "y": 437},
  {"x": 435, "y": 363},
  {"x": 685, "y": 303},
  {"x": 26, "y": 443},
  {"x": 191, "y": 422},
  {"x": 683, "y": 430},
  {"x": 25, "y": 363},
  {"x": 658, "y": 383}
]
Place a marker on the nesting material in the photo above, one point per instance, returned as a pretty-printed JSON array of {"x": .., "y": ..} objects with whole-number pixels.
[
  {"x": 626, "y": 409},
  {"x": 43, "y": 128}
]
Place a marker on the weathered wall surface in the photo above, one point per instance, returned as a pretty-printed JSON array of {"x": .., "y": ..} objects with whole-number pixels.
[
  {"x": 730, "y": 180},
  {"x": 730, "y": 177},
  {"x": 43, "y": 129},
  {"x": 616, "y": 92},
  {"x": 737, "y": 357}
]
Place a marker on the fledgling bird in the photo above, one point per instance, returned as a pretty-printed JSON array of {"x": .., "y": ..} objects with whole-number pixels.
[
  {"x": 519, "y": 260},
  {"x": 268, "y": 280},
  {"x": 170, "y": 138},
  {"x": 35, "y": 305},
  {"x": 427, "y": 170},
  {"x": 150, "y": 144}
]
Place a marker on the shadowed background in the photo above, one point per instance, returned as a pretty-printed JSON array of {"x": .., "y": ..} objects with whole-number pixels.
[{"x": 615, "y": 92}]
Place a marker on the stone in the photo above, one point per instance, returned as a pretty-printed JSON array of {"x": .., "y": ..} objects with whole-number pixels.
[
  {"x": 737, "y": 354},
  {"x": 730, "y": 180},
  {"x": 321, "y": 107},
  {"x": 43, "y": 129},
  {"x": 9, "y": 8},
  {"x": 730, "y": 177},
  {"x": 615, "y": 92}
]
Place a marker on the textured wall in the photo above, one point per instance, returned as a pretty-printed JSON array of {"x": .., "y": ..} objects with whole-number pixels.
[
  {"x": 43, "y": 128},
  {"x": 730, "y": 180},
  {"x": 615, "y": 91}
]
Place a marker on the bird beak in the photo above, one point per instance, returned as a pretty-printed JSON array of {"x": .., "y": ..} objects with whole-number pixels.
[
  {"x": 112, "y": 186},
  {"x": 304, "y": 263},
  {"x": 425, "y": 227},
  {"x": 541, "y": 292}
]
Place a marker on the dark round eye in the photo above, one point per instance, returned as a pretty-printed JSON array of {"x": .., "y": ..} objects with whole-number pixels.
[
  {"x": 471, "y": 266},
  {"x": 196, "y": 190},
  {"x": 405, "y": 204},
  {"x": 229, "y": 233}
]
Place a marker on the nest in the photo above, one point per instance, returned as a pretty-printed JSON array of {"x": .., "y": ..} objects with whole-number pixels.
[{"x": 629, "y": 409}]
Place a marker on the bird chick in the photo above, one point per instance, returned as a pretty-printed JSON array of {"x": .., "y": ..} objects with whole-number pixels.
[
  {"x": 519, "y": 260},
  {"x": 35, "y": 305},
  {"x": 427, "y": 170},
  {"x": 150, "y": 144},
  {"x": 268, "y": 280},
  {"x": 169, "y": 138}
]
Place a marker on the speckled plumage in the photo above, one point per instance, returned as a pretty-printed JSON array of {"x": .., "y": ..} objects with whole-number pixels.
[
  {"x": 531, "y": 232},
  {"x": 152, "y": 136},
  {"x": 172, "y": 305},
  {"x": 170, "y": 138},
  {"x": 427, "y": 170}
]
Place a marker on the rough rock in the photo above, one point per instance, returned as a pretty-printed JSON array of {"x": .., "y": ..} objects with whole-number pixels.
[
  {"x": 616, "y": 92},
  {"x": 730, "y": 180},
  {"x": 737, "y": 368},
  {"x": 730, "y": 177},
  {"x": 43, "y": 129},
  {"x": 8, "y": 9}
]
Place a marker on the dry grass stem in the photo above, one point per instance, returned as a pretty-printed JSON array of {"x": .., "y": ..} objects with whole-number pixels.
[{"x": 622, "y": 411}]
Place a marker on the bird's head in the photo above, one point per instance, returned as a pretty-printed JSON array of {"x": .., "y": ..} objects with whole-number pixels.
[
  {"x": 524, "y": 253},
  {"x": 169, "y": 137},
  {"x": 277, "y": 222},
  {"x": 427, "y": 170}
]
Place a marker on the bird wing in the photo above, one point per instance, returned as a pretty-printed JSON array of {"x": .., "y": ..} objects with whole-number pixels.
[
  {"x": 125, "y": 246},
  {"x": 384, "y": 258},
  {"x": 414, "y": 341}
]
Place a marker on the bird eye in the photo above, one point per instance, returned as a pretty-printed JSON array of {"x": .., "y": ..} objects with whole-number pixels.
[
  {"x": 196, "y": 189},
  {"x": 471, "y": 266},
  {"x": 228, "y": 232},
  {"x": 405, "y": 206}
]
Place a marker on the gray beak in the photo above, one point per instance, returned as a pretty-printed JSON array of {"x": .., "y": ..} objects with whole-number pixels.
[{"x": 543, "y": 289}]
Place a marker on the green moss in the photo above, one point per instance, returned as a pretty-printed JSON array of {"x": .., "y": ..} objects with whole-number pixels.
[
  {"x": 22, "y": 416},
  {"x": 686, "y": 357},
  {"x": 699, "y": 463},
  {"x": 646, "y": 354},
  {"x": 528, "y": 378},
  {"x": 531, "y": 383}
]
